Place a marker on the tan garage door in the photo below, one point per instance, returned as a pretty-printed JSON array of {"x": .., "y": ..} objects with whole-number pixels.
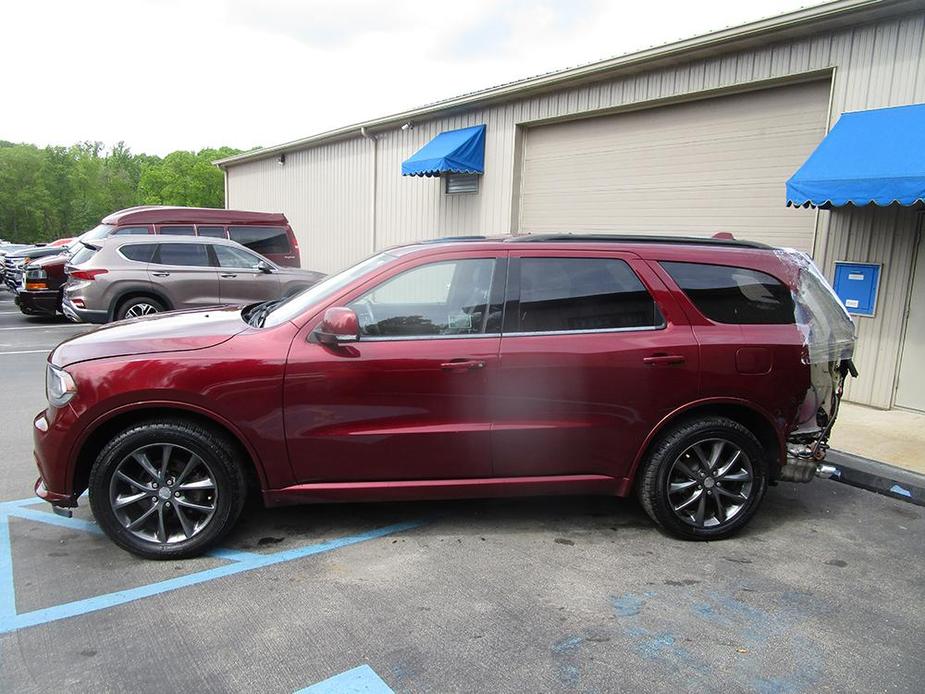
[{"x": 695, "y": 168}]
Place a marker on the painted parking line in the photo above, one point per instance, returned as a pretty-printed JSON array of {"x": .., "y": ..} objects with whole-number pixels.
[
  {"x": 30, "y": 351},
  {"x": 359, "y": 680},
  {"x": 55, "y": 326},
  {"x": 239, "y": 562}
]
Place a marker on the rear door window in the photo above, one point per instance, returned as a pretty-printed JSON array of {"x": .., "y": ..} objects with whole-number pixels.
[
  {"x": 178, "y": 230},
  {"x": 188, "y": 254},
  {"x": 212, "y": 232},
  {"x": 131, "y": 231},
  {"x": 737, "y": 295},
  {"x": 139, "y": 252},
  {"x": 581, "y": 294},
  {"x": 263, "y": 240}
]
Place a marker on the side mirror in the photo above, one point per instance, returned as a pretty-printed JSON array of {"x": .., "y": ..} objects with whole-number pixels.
[
  {"x": 264, "y": 267},
  {"x": 339, "y": 325}
]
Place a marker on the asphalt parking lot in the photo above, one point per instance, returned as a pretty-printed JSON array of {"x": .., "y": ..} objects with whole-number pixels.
[{"x": 825, "y": 591}]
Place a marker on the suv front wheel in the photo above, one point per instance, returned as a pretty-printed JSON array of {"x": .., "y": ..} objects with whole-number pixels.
[
  {"x": 167, "y": 488},
  {"x": 139, "y": 306},
  {"x": 703, "y": 479}
]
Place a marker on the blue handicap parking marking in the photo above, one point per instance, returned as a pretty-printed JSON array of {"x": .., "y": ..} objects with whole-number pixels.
[
  {"x": 239, "y": 562},
  {"x": 359, "y": 680}
]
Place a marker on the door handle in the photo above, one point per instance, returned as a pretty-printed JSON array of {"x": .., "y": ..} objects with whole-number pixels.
[
  {"x": 663, "y": 359},
  {"x": 161, "y": 274},
  {"x": 229, "y": 275},
  {"x": 462, "y": 365}
]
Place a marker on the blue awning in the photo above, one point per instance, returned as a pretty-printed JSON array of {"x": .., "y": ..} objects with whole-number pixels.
[
  {"x": 451, "y": 152},
  {"x": 868, "y": 157}
]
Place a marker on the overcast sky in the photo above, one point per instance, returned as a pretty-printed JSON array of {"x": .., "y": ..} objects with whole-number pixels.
[{"x": 173, "y": 74}]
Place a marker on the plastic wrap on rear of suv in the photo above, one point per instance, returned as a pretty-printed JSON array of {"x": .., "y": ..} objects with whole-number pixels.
[{"x": 829, "y": 341}]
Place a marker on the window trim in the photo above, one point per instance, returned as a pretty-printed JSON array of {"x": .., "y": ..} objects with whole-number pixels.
[{"x": 512, "y": 299}]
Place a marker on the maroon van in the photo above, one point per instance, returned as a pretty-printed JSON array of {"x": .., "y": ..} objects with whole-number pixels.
[{"x": 267, "y": 233}]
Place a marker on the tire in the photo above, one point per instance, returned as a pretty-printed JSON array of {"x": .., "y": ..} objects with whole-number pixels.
[
  {"x": 703, "y": 505},
  {"x": 139, "y": 306},
  {"x": 195, "y": 515}
]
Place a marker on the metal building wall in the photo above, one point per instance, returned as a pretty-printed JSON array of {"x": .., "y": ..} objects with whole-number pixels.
[
  {"x": 325, "y": 193},
  {"x": 325, "y": 190}
]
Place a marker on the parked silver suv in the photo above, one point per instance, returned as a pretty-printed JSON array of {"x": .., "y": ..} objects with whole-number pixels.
[{"x": 126, "y": 277}]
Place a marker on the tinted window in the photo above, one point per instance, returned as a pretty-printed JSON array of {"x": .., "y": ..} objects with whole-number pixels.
[
  {"x": 212, "y": 232},
  {"x": 733, "y": 294},
  {"x": 559, "y": 294},
  {"x": 264, "y": 240},
  {"x": 448, "y": 298},
  {"x": 139, "y": 252},
  {"x": 131, "y": 231},
  {"x": 235, "y": 257},
  {"x": 178, "y": 231},
  {"x": 192, "y": 254}
]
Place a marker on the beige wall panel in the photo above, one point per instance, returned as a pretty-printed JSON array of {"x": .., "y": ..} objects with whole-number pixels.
[{"x": 694, "y": 168}]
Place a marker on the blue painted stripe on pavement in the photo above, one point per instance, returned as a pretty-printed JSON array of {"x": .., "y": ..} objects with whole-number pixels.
[
  {"x": 53, "y": 519},
  {"x": 100, "y": 602},
  {"x": 7, "y": 592},
  {"x": 359, "y": 680}
]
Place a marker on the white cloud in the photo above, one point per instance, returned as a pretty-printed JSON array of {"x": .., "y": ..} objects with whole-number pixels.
[{"x": 185, "y": 75}]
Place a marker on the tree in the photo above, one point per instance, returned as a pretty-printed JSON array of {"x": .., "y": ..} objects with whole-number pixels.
[
  {"x": 62, "y": 191},
  {"x": 185, "y": 178}
]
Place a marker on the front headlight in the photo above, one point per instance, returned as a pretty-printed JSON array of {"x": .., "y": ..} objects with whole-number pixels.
[{"x": 59, "y": 386}]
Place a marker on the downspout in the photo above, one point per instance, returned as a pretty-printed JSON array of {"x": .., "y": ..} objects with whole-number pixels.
[{"x": 372, "y": 186}]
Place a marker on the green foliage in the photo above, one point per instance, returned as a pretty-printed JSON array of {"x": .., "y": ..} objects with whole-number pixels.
[{"x": 55, "y": 192}]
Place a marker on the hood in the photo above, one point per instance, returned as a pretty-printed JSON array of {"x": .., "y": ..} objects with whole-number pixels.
[
  {"x": 50, "y": 261},
  {"x": 168, "y": 332},
  {"x": 36, "y": 252}
]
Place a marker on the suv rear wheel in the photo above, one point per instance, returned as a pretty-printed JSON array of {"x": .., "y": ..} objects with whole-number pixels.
[
  {"x": 167, "y": 488},
  {"x": 139, "y": 306},
  {"x": 703, "y": 479}
]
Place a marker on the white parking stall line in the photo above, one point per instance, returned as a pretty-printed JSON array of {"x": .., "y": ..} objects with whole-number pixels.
[
  {"x": 49, "y": 327},
  {"x": 29, "y": 351}
]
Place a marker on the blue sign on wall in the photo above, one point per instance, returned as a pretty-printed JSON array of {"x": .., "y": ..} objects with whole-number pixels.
[{"x": 856, "y": 285}]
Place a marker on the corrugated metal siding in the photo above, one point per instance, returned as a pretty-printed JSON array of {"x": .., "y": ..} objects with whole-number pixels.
[
  {"x": 326, "y": 190},
  {"x": 692, "y": 168},
  {"x": 874, "y": 235},
  {"x": 325, "y": 193}
]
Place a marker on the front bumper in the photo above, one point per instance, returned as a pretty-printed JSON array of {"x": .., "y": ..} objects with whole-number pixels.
[
  {"x": 82, "y": 315},
  {"x": 46, "y": 302},
  {"x": 53, "y": 432}
]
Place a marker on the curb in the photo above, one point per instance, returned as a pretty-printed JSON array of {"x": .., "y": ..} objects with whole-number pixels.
[{"x": 878, "y": 477}]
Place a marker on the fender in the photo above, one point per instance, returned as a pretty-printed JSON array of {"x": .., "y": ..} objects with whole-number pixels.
[
  {"x": 150, "y": 290},
  {"x": 88, "y": 431},
  {"x": 706, "y": 402}
]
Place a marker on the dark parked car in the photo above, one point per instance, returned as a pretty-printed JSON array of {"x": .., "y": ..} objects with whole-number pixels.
[
  {"x": 266, "y": 233},
  {"x": 132, "y": 276},
  {"x": 692, "y": 371},
  {"x": 14, "y": 262}
]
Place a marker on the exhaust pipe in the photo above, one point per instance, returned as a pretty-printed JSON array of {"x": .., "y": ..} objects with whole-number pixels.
[{"x": 826, "y": 471}]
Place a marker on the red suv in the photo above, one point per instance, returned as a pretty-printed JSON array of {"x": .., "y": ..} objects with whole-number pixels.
[
  {"x": 693, "y": 371},
  {"x": 267, "y": 233}
]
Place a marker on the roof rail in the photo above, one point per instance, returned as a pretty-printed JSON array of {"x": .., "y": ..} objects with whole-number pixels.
[{"x": 636, "y": 238}]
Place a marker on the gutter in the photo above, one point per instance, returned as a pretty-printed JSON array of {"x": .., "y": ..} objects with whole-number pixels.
[
  {"x": 837, "y": 13},
  {"x": 372, "y": 185}
]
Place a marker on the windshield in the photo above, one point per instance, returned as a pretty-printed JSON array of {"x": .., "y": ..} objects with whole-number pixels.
[
  {"x": 299, "y": 303},
  {"x": 100, "y": 231}
]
